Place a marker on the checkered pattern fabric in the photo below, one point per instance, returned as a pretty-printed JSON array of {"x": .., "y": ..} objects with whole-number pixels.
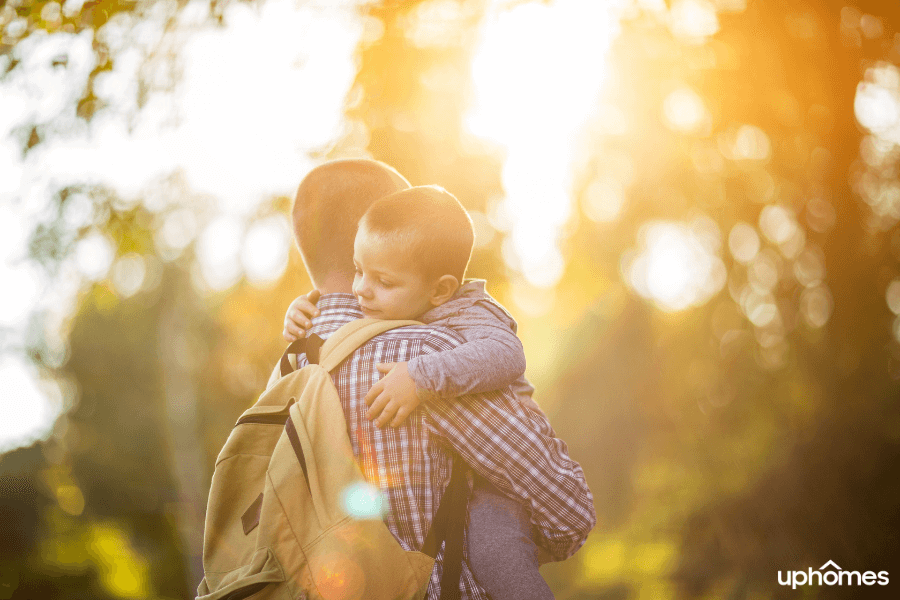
[{"x": 510, "y": 445}]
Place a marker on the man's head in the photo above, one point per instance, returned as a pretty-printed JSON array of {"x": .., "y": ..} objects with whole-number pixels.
[
  {"x": 411, "y": 252},
  {"x": 329, "y": 203}
]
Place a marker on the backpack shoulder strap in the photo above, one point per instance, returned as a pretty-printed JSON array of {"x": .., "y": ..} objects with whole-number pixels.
[
  {"x": 346, "y": 340},
  {"x": 341, "y": 344}
]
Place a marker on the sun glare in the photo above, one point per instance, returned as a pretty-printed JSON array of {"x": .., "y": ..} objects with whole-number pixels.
[
  {"x": 693, "y": 20},
  {"x": 877, "y": 109},
  {"x": 265, "y": 252},
  {"x": 533, "y": 93},
  {"x": 685, "y": 111},
  {"x": 28, "y": 411},
  {"x": 677, "y": 265}
]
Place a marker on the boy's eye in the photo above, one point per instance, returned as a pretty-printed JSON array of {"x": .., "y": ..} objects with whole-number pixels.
[{"x": 385, "y": 283}]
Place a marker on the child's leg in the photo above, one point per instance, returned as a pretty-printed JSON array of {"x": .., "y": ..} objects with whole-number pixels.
[{"x": 503, "y": 557}]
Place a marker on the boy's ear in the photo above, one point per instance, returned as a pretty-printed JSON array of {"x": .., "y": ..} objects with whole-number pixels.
[{"x": 444, "y": 289}]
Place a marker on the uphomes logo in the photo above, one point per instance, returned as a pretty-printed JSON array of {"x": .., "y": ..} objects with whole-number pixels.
[{"x": 837, "y": 576}]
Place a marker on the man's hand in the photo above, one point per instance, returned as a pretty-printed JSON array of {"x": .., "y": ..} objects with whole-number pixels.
[
  {"x": 297, "y": 320},
  {"x": 394, "y": 397}
]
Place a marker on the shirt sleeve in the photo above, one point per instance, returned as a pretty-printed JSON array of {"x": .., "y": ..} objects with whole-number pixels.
[
  {"x": 491, "y": 358},
  {"x": 518, "y": 451}
]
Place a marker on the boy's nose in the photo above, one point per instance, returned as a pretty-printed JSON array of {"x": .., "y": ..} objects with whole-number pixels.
[{"x": 361, "y": 288}]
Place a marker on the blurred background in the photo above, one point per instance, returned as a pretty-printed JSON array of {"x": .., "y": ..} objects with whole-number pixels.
[{"x": 690, "y": 206}]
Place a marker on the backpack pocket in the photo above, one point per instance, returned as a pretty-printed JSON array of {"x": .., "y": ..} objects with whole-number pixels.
[
  {"x": 258, "y": 580},
  {"x": 361, "y": 560}
]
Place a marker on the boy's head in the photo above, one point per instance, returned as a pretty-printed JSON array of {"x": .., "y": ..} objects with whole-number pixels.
[
  {"x": 329, "y": 203},
  {"x": 411, "y": 252}
]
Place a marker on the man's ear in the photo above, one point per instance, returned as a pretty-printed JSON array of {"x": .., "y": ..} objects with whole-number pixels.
[{"x": 444, "y": 289}]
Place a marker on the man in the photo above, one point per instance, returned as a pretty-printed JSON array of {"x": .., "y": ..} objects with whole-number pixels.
[{"x": 411, "y": 463}]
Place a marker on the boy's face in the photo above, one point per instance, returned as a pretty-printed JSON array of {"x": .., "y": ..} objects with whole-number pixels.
[{"x": 387, "y": 283}]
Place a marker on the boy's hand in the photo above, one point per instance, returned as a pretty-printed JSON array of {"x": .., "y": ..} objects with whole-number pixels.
[
  {"x": 297, "y": 320},
  {"x": 394, "y": 397}
]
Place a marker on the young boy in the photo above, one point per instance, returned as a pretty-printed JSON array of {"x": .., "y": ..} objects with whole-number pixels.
[{"x": 411, "y": 253}]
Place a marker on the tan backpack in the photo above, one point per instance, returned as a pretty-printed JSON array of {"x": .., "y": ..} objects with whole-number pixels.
[{"x": 277, "y": 525}]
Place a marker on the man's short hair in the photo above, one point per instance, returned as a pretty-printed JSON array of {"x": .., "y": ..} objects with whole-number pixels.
[
  {"x": 329, "y": 203},
  {"x": 430, "y": 224}
]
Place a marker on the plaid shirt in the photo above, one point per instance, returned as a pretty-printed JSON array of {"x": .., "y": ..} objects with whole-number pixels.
[{"x": 510, "y": 445}]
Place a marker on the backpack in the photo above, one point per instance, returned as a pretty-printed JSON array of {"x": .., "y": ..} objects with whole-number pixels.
[{"x": 276, "y": 524}]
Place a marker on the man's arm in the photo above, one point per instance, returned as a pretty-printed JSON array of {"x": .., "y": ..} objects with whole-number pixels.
[{"x": 518, "y": 452}]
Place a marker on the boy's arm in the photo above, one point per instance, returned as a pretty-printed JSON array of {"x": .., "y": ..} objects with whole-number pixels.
[{"x": 491, "y": 359}]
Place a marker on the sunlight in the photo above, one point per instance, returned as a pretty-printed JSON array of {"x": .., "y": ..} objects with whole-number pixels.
[
  {"x": 877, "y": 102},
  {"x": 256, "y": 96},
  {"x": 685, "y": 111},
  {"x": 693, "y": 20},
  {"x": 778, "y": 223},
  {"x": 677, "y": 265},
  {"x": 604, "y": 199},
  {"x": 877, "y": 109},
  {"x": 816, "y": 305},
  {"x": 94, "y": 255},
  {"x": 179, "y": 228},
  {"x": 265, "y": 252},
  {"x": 747, "y": 142},
  {"x": 123, "y": 571},
  {"x": 15, "y": 272},
  {"x": 27, "y": 410},
  {"x": 533, "y": 93},
  {"x": 218, "y": 249},
  {"x": 128, "y": 274},
  {"x": 893, "y": 296},
  {"x": 743, "y": 241}
]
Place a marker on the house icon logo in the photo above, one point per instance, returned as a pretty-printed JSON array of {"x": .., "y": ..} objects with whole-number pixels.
[{"x": 831, "y": 574}]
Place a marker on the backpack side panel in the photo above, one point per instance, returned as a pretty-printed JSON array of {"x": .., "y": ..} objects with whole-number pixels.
[
  {"x": 233, "y": 562},
  {"x": 238, "y": 479}
]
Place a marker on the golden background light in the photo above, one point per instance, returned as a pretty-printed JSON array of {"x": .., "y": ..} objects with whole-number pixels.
[{"x": 690, "y": 207}]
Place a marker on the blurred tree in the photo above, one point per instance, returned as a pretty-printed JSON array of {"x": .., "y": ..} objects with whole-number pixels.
[{"x": 794, "y": 446}]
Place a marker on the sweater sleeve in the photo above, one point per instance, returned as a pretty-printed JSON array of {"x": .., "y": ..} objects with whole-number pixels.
[{"x": 491, "y": 358}]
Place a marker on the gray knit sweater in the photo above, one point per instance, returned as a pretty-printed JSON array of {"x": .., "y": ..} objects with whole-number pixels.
[{"x": 491, "y": 359}]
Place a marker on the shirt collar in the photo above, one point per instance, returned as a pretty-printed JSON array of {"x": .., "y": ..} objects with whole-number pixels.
[
  {"x": 339, "y": 304},
  {"x": 471, "y": 288},
  {"x": 335, "y": 310}
]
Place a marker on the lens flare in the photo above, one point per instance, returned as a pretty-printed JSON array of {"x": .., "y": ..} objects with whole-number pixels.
[{"x": 363, "y": 501}]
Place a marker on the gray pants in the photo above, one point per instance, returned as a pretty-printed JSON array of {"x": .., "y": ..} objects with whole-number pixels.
[{"x": 503, "y": 557}]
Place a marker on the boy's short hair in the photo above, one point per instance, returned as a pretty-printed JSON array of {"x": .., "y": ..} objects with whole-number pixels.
[
  {"x": 430, "y": 223},
  {"x": 329, "y": 203}
]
